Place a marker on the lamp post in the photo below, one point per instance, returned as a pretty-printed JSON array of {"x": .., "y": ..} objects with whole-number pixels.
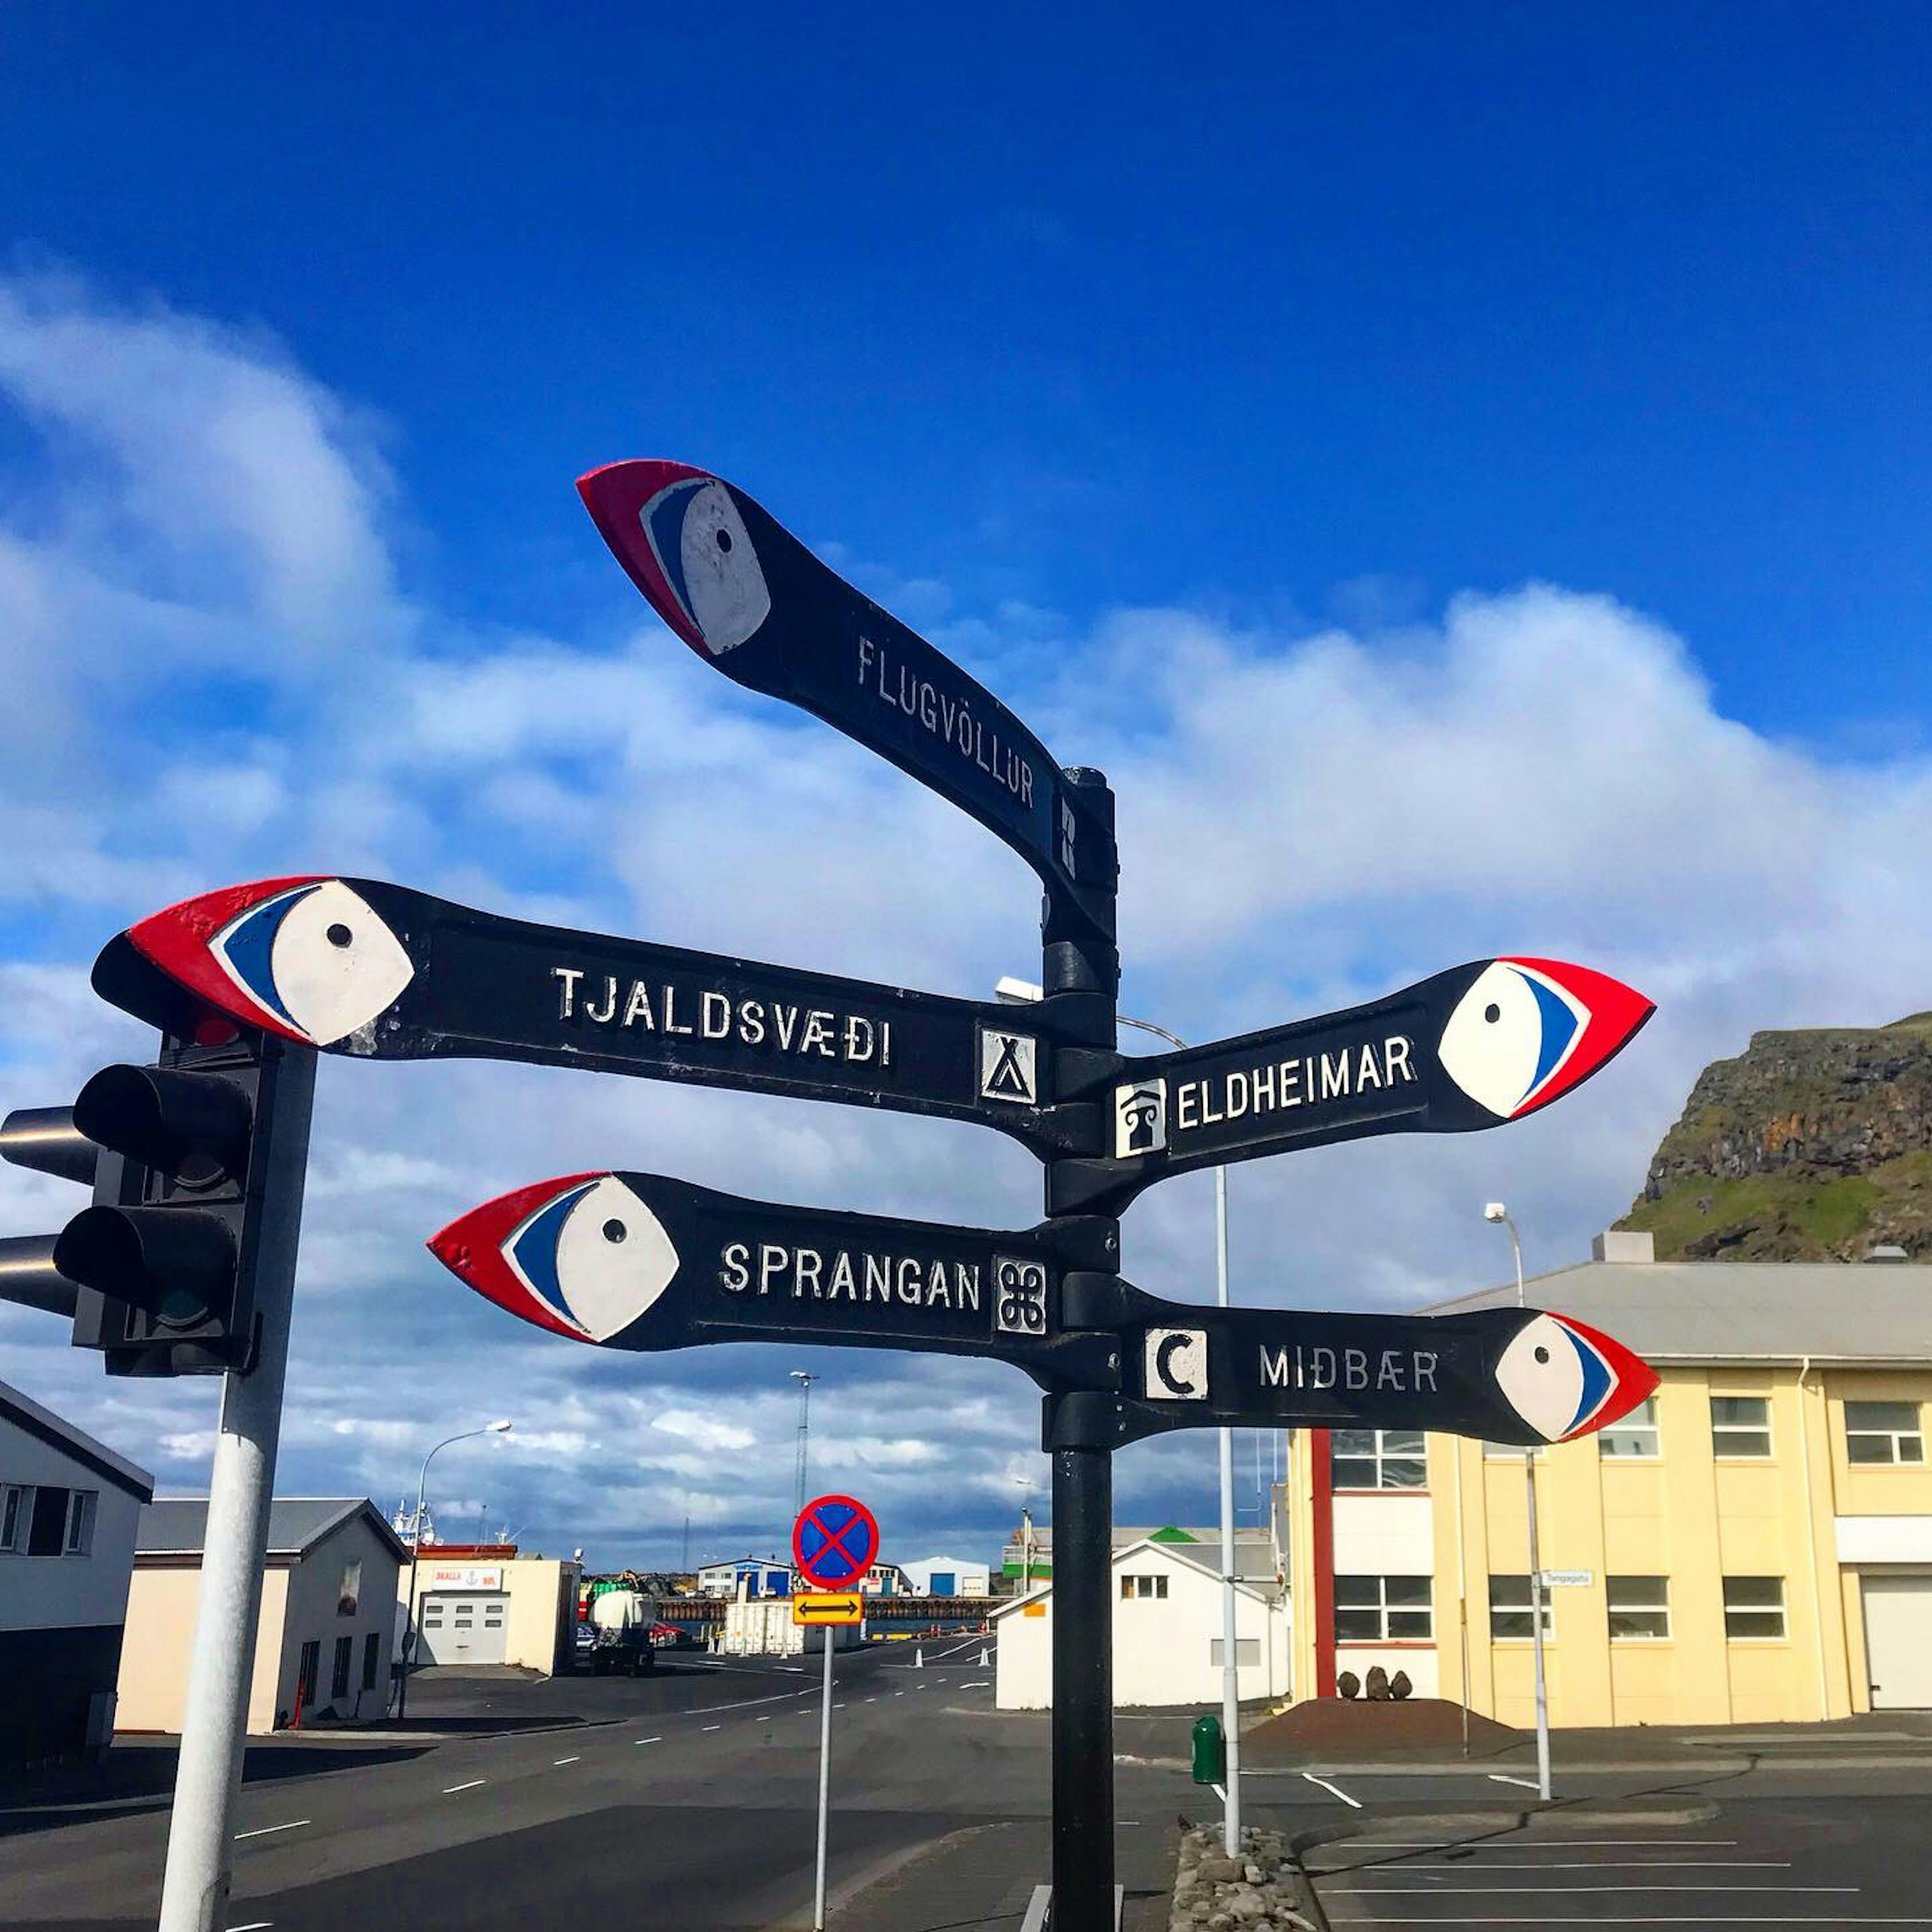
[
  {"x": 1021, "y": 992},
  {"x": 804, "y": 1382},
  {"x": 1494, "y": 1210},
  {"x": 1026, "y": 1532},
  {"x": 416, "y": 1554}
]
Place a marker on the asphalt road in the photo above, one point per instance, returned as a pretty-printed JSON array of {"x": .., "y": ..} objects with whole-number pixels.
[{"x": 692, "y": 1794}]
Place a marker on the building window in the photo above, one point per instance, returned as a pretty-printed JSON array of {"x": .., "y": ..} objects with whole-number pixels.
[
  {"x": 1509, "y": 1452},
  {"x": 1379, "y": 1459},
  {"x": 307, "y": 1671},
  {"x": 1883, "y": 1432},
  {"x": 1247, "y": 1650},
  {"x": 46, "y": 1533},
  {"x": 1639, "y": 1605},
  {"x": 1753, "y": 1607},
  {"x": 338, "y": 1678},
  {"x": 1740, "y": 1425},
  {"x": 16, "y": 1511},
  {"x": 1635, "y": 1436},
  {"x": 1144, "y": 1588},
  {"x": 79, "y": 1539},
  {"x": 349, "y": 1595},
  {"x": 372, "y": 1646},
  {"x": 1511, "y": 1609},
  {"x": 1383, "y": 1609}
]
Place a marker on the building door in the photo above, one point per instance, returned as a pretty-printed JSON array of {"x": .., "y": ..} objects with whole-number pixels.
[
  {"x": 465, "y": 1626},
  {"x": 1898, "y": 1660}
]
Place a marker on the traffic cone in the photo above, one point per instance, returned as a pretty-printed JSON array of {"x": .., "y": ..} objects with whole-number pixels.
[
  {"x": 918, "y": 1659},
  {"x": 985, "y": 1662}
]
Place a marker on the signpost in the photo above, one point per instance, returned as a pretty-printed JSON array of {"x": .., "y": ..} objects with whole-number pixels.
[
  {"x": 642, "y": 1262},
  {"x": 835, "y": 1541},
  {"x": 375, "y": 971}
]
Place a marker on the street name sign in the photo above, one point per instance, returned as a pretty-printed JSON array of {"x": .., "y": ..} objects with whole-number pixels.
[
  {"x": 1568, "y": 1579},
  {"x": 754, "y": 603},
  {"x": 819, "y": 1607},
  {"x": 375, "y": 971},
  {"x": 638, "y": 1261},
  {"x": 835, "y": 1541},
  {"x": 1466, "y": 1049},
  {"x": 641, "y": 1262}
]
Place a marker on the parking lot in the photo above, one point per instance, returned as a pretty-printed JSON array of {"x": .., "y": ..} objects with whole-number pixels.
[{"x": 1824, "y": 1862}]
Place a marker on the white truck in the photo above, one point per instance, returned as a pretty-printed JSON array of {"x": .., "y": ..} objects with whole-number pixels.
[{"x": 622, "y": 1620}]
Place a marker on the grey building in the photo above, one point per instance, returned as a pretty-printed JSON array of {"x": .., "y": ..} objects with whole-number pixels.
[{"x": 68, "y": 1509}]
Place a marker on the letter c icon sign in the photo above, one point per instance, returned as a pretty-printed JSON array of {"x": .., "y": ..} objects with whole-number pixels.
[
  {"x": 1176, "y": 1364},
  {"x": 1173, "y": 1378}
]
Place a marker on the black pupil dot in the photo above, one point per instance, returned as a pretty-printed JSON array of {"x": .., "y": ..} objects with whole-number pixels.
[
  {"x": 724, "y": 540},
  {"x": 1492, "y": 1013},
  {"x": 1543, "y": 1354},
  {"x": 340, "y": 935},
  {"x": 614, "y": 1231}
]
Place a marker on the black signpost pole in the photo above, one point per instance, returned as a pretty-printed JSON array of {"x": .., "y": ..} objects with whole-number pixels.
[{"x": 1079, "y": 963}]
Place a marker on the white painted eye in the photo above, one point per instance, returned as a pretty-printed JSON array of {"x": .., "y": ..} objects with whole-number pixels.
[
  {"x": 705, "y": 554},
  {"x": 1541, "y": 1375},
  {"x": 318, "y": 956},
  {"x": 614, "y": 1259},
  {"x": 1492, "y": 1045}
]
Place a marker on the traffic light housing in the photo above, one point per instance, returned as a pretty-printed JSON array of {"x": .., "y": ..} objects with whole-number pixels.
[{"x": 197, "y": 1164}]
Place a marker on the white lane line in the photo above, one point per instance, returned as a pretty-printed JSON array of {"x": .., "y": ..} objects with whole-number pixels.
[
  {"x": 713, "y": 1727},
  {"x": 254, "y": 1925},
  {"x": 1335, "y": 1788},
  {"x": 1539, "y": 1890},
  {"x": 978, "y": 1684},
  {"x": 650, "y": 1741},
  {"x": 556, "y": 1762},
  {"x": 1504, "y": 1777},
  {"x": 871, "y": 1700},
  {"x": 838, "y": 1707},
  {"x": 898, "y": 1693},
  {"x": 1607, "y": 1864},
  {"x": 765, "y": 1719},
  {"x": 1532, "y": 1845},
  {"x": 448, "y": 1789},
  {"x": 263, "y": 1830}
]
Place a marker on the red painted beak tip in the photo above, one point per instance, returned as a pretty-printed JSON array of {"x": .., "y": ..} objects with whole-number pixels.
[{"x": 1636, "y": 1380}]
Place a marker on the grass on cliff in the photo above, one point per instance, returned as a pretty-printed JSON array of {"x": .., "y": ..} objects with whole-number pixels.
[{"x": 1799, "y": 1213}]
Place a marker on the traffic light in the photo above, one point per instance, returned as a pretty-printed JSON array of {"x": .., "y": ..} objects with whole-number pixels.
[{"x": 196, "y": 1163}]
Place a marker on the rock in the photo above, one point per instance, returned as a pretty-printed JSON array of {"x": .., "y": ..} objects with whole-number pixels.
[{"x": 1219, "y": 1871}]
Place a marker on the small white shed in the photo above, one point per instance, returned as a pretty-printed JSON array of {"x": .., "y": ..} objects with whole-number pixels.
[{"x": 1167, "y": 1636}]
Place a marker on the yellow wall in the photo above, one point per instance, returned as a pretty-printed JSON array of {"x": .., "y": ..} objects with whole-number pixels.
[
  {"x": 1690, "y": 1515},
  {"x": 155, "y": 1653}
]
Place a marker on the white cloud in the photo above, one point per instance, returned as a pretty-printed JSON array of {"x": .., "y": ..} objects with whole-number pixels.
[{"x": 1306, "y": 820}]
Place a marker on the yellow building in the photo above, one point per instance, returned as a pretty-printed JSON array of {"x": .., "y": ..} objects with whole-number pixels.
[{"x": 1754, "y": 1545}]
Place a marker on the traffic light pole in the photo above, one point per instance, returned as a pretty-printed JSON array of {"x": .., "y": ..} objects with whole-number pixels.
[
  {"x": 194, "y": 1892},
  {"x": 1083, "y": 1514}
]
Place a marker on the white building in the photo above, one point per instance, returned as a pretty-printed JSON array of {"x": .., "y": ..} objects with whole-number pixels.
[
  {"x": 1167, "y": 1605},
  {"x": 485, "y": 1604},
  {"x": 948, "y": 1576},
  {"x": 326, "y": 1626},
  {"x": 68, "y": 1508},
  {"x": 762, "y": 1577}
]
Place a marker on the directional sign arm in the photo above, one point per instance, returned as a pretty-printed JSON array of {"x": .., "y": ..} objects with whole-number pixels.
[
  {"x": 754, "y": 603},
  {"x": 1511, "y": 1376},
  {"x": 638, "y": 1261},
  {"x": 1470, "y": 1048},
  {"x": 377, "y": 971}
]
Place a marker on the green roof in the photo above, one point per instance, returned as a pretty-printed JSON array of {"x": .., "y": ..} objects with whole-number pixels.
[{"x": 1171, "y": 1535}]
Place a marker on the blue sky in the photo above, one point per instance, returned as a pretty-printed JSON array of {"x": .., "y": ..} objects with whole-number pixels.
[{"x": 1465, "y": 470}]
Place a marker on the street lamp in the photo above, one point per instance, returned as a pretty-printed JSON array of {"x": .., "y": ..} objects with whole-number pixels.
[
  {"x": 416, "y": 1553},
  {"x": 1023, "y": 992},
  {"x": 1494, "y": 1210},
  {"x": 1026, "y": 1531}
]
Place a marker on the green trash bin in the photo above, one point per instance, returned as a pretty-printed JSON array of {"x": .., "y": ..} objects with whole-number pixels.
[{"x": 1210, "y": 1751}]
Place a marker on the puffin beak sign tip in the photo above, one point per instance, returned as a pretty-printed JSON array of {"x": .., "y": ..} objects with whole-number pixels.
[{"x": 474, "y": 1247}]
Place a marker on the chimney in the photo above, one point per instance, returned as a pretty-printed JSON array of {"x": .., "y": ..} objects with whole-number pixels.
[
  {"x": 1886, "y": 1251},
  {"x": 1623, "y": 1246}
]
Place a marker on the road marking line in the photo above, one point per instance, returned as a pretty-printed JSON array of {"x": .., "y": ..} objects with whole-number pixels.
[
  {"x": 898, "y": 1693},
  {"x": 765, "y": 1719},
  {"x": 565, "y": 1760},
  {"x": 714, "y": 1727},
  {"x": 871, "y": 1700},
  {"x": 448, "y": 1789},
  {"x": 1504, "y": 1777},
  {"x": 978, "y": 1684},
  {"x": 254, "y": 1925},
  {"x": 838, "y": 1707},
  {"x": 1335, "y": 1788},
  {"x": 1542, "y": 1845},
  {"x": 263, "y": 1830},
  {"x": 650, "y": 1741},
  {"x": 1538, "y": 1891},
  {"x": 1605, "y": 1864}
]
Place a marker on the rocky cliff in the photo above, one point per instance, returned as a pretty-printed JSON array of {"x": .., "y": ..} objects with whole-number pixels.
[{"x": 1813, "y": 1146}]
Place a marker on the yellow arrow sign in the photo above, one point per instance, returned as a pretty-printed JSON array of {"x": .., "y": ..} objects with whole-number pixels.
[{"x": 845, "y": 1609}]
